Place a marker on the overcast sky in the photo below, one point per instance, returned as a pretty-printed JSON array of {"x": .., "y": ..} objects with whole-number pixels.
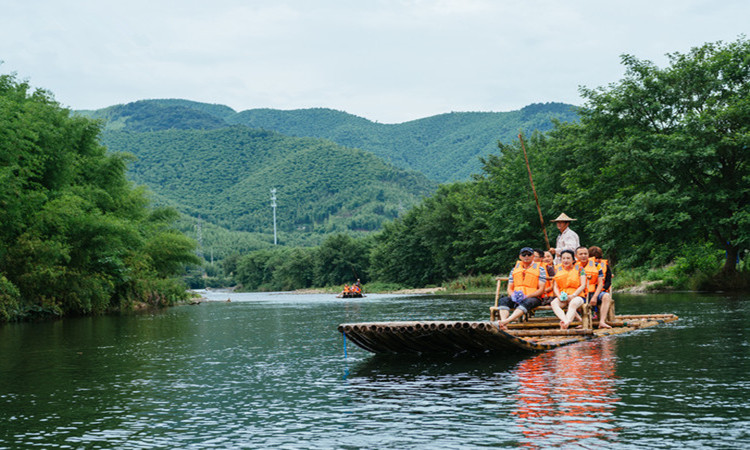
[{"x": 389, "y": 61}]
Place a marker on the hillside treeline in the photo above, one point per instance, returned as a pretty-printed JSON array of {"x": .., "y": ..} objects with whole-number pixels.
[
  {"x": 657, "y": 170},
  {"x": 77, "y": 237},
  {"x": 332, "y": 171},
  {"x": 225, "y": 176}
]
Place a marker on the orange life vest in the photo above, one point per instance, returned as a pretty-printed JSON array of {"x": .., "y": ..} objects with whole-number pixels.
[
  {"x": 592, "y": 269},
  {"x": 567, "y": 280},
  {"x": 526, "y": 280},
  {"x": 548, "y": 285}
]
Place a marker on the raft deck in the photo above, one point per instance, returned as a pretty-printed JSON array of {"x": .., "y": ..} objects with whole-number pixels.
[{"x": 536, "y": 334}]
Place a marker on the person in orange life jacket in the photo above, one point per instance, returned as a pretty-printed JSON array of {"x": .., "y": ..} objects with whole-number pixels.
[
  {"x": 594, "y": 280},
  {"x": 525, "y": 287},
  {"x": 549, "y": 266},
  {"x": 540, "y": 258},
  {"x": 569, "y": 285},
  {"x": 605, "y": 298}
]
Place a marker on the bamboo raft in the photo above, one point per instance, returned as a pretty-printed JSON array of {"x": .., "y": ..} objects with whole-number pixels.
[
  {"x": 534, "y": 335},
  {"x": 350, "y": 295}
]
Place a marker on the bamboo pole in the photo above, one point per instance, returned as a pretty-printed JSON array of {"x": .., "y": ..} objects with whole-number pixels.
[
  {"x": 533, "y": 188},
  {"x": 523, "y": 333}
]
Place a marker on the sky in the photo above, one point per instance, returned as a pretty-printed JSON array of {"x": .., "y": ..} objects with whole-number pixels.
[{"x": 389, "y": 61}]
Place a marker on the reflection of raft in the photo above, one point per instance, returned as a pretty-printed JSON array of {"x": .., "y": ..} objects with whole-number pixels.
[
  {"x": 350, "y": 295},
  {"x": 537, "y": 334}
]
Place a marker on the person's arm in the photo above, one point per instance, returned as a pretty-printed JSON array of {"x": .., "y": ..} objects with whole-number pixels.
[
  {"x": 608, "y": 279},
  {"x": 540, "y": 285},
  {"x": 582, "y": 286},
  {"x": 510, "y": 284},
  {"x": 599, "y": 286}
]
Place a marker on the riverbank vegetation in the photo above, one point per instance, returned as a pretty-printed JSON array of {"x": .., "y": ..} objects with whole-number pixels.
[
  {"x": 657, "y": 172},
  {"x": 77, "y": 237}
]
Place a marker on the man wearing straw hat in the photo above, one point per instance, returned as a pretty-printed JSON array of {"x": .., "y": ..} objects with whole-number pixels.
[{"x": 567, "y": 240}]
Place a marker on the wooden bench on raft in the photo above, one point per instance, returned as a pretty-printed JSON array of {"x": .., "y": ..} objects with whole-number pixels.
[{"x": 585, "y": 313}]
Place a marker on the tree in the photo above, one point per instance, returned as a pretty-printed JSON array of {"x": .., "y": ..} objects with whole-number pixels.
[
  {"x": 672, "y": 147},
  {"x": 77, "y": 236}
]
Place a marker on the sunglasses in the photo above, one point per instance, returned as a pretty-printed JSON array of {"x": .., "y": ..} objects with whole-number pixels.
[{"x": 526, "y": 254}]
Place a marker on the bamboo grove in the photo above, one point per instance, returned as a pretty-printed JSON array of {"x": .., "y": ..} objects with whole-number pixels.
[{"x": 77, "y": 237}]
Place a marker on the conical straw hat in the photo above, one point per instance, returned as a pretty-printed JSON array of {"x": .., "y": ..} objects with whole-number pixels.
[{"x": 563, "y": 218}]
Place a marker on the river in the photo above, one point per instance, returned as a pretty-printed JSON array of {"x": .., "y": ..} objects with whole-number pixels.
[{"x": 270, "y": 370}]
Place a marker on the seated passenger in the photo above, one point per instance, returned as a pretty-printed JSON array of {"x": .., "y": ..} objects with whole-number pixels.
[
  {"x": 569, "y": 284},
  {"x": 548, "y": 261},
  {"x": 594, "y": 280},
  {"x": 605, "y": 299},
  {"x": 525, "y": 287}
]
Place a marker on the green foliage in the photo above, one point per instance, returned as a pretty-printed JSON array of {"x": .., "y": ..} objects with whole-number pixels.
[
  {"x": 671, "y": 146},
  {"x": 225, "y": 176},
  {"x": 341, "y": 259},
  {"x": 10, "y": 300},
  {"x": 77, "y": 237},
  {"x": 467, "y": 284},
  {"x": 276, "y": 269},
  {"x": 657, "y": 164},
  {"x": 433, "y": 242},
  {"x": 445, "y": 148}
]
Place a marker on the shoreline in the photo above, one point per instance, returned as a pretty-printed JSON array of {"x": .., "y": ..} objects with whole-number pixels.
[{"x": 432, "y": 290}]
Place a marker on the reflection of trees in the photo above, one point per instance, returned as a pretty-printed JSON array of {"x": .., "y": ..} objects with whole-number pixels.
[{"x": 568, "y": 395}]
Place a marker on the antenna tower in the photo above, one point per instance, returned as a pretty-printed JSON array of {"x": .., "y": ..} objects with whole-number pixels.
[{"x": 273, "y": 205}]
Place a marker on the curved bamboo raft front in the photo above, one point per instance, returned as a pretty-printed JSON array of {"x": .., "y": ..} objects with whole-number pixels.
[{"x": 537, "y": 334}]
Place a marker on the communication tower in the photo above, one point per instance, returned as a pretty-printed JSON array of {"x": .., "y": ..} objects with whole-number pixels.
[{"x": 273, "y": 205}]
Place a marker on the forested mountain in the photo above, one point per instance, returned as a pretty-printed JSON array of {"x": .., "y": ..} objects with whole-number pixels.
[
  {"x": 333, "y": 171},
  {"x": 445, "y": 147},
  {"x": 225, "y": 176}
]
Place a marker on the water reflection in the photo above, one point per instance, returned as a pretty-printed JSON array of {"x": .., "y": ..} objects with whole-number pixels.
[{"x": 568, "y": 395}]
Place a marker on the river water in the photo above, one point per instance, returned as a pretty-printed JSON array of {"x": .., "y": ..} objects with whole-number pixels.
[{"x": 270, "y": 370}]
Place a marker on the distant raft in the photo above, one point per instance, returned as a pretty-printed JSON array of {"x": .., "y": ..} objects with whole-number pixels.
[
  {"x": 535, "y": 335},
  {"x": 350, "y": 295}
]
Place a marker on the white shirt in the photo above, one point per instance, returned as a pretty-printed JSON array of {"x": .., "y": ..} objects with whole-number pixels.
[{"x": 567, "y": 240}]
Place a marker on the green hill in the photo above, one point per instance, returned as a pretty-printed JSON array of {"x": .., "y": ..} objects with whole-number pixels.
[
  {"x": 333, "y": 171},
  {"x": 445, "y": 148},
  {"x": 225, "y": 176}
]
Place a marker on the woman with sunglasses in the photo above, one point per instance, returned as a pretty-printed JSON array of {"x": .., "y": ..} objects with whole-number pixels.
[{"x": 525, "y": 288}]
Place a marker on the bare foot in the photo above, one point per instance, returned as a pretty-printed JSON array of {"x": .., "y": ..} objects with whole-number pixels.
[
  {"x": 604, "y": 325},
  {"x": 564, "y": 325},
  {"x": 502, "y": 326}
]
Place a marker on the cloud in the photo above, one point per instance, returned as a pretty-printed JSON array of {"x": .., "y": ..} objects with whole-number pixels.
[{"x": 387, "y": 60}]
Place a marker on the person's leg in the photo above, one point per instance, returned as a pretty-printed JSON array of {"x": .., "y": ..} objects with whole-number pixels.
[
  {"x": 557, "y": 309},
  {"x": 573, "y": 305},
  {"x": 518, "y": 312},
  {"x": 505, "y": 304},
  {"x": 604, "y": 309},
  {"x": 525, "y": 306}
]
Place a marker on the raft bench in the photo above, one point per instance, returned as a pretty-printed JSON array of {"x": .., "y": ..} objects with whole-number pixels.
[{"x": 585, "y": 316}]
